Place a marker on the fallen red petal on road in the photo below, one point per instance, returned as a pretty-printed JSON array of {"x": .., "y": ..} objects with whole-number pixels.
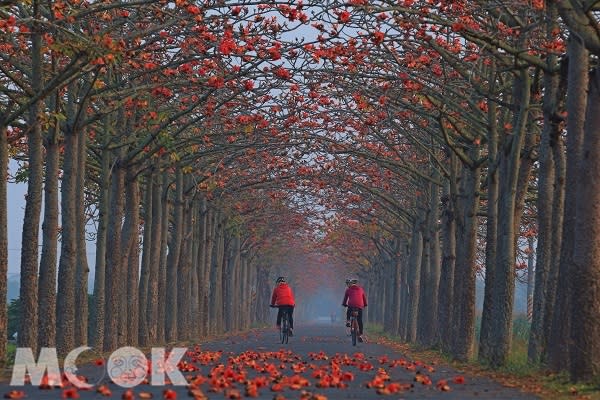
[{"x": 14, "y": 394}]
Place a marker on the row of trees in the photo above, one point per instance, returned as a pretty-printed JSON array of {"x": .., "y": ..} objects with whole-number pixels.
[
  {"x": 461, "y": 151},
  {"x": 417, "y": 141},
  {"x": 144, "y": 120}
]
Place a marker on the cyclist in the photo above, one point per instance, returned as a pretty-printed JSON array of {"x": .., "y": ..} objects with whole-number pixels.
[
  {"x": 355, "y": 297},
  {"x": 283, "y": 298}
]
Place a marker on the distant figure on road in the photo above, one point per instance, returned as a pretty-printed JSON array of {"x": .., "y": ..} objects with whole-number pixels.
[
  {"x": 333, "y": 317},
  {"x": 355, "y": 297},
  {"x": 283, "y": 298}
]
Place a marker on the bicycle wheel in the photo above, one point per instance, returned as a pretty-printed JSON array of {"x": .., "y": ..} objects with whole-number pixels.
[
  {"x": 354, "y": 330},
  {"x": 285, "y": 328}
]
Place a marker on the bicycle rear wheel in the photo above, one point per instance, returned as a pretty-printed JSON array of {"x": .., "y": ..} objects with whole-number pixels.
[
  {"x": 285, "y": 329},
  {"x": 354, "y": 331}
]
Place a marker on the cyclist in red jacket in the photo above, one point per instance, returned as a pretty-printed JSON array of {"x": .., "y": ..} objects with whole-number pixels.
[
  {"x": 283, "y": 298},
  {"x": 355, "y": 297}
]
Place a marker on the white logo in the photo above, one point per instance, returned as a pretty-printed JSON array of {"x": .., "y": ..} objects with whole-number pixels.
[
  {"x": 70, "y": 368},
  {"x": 126, "y": 367}
]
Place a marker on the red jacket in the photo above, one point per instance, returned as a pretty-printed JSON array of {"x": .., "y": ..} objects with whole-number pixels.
[
  {"x": 283, "y": 295},
  {"x": 355, "y": 297}
]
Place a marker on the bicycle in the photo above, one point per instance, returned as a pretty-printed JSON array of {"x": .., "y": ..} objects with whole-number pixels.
[
  {"x": 284, "y": 328},
  {"x": 354, "y": 329}
]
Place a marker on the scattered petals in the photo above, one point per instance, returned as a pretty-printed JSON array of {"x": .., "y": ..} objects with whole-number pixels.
[{"x": 15, "y": 394}]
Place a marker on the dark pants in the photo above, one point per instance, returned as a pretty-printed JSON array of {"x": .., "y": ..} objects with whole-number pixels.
[
  {"x": 359, "y": 318},
  {"x": 290, "y": 310}
]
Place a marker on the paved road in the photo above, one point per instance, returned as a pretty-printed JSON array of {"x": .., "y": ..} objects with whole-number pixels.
[{"x": 318, "y": 363}]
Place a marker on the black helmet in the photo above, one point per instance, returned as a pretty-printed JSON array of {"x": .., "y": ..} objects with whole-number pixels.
[
  {"x": 281, "y": 279},
  {"x": 353, "y": 281}
]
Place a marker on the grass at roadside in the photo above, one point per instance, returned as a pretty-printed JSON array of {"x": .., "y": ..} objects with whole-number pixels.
[
  {"x": 6, "y": 370},
  {"x": 11, "y": 349},
  {"x": 518, "y": 373}
]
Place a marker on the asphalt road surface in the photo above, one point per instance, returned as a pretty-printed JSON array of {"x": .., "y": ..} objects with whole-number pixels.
[{"x": 318, "y": 363}]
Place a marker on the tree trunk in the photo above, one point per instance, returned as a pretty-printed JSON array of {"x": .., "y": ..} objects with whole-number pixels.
[
  {"x": 202, "y": 227},
  {"x": 504, "y": 275},
  {"x": 429, "y": 304},
  {"x": 184, "y": 298},
  {"x": 491, "y": 237},
  {"x": 147, "y": 244},
  {"x": 414, "y": 277},
  {"x": 216, "y": 278},
  {"x": 223, "y": 246},
  {"x": 47, "y": 279},
  {"x": 463, "y": 295},
  {"x": 173, "y": 264},
  {"x": 263, "y": 295},
  {"x": 121, "y": 282},
  {"x": 231, "y": 285},
  {"x": 545, "y": 205},
  {"x": 424, "y": 280},
  {"x": 114, "y": 271},
  {"x": 237, "y": 284},
  {"x": 3, "y": 241},
  {"x": 578, "y": 64},
  {"x": 446, "y": 286},
  {"x": 530, "y": 276},
  {"x": 252, "y": 287},
  {"x": 376, "y": 279},
  {"x": 208, "y": 244},
  {"x": 162, "y": 269},
  {"x": 240, "y": 292},
  {"x": 65, "y": 305},
  {"x": 245, "y": 291},
  {"x": 405, "y": 294},
  {"x": 28, "y": 321},
  {"x": 211, "y": 265},
  {"x": 82, "y": 269},
  {"x": 436, "y": 261},
  {"x": 195, "y": 267},
  {"x": 130, "y": 256},
  {"x": 557, "y": 229},
  {"x": 154, "y": 294},
  {"x": 98, "y": 311},
  {"x": 585, "y": 273},
  {"x": 387, "y": 285},
  {"x": 396, "y": 279}
]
